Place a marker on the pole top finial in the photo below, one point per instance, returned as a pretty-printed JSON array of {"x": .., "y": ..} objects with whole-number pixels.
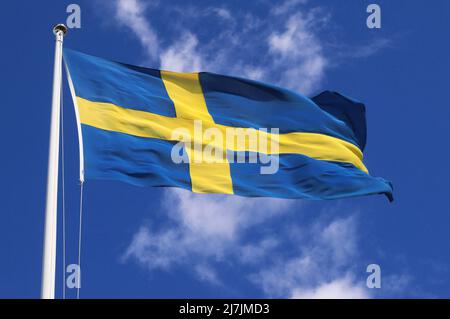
[{"x": 60, "y": 27}]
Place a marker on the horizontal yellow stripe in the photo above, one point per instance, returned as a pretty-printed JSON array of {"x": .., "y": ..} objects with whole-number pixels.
[{"x": 110, "y": 117}]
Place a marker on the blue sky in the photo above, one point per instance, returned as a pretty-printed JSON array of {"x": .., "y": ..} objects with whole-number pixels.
[{"x": 144, "y": 242}]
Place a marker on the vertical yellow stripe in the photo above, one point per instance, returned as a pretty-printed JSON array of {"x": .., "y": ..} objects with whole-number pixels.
[
  {"x": 209, "y": 177},
  {"x": 185, "y": 91}
]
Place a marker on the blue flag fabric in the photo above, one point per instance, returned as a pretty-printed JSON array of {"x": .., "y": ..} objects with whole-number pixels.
[{"x": 159, "y": 128}]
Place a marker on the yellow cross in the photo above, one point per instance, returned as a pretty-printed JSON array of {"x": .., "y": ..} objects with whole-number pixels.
[{"x": 185, "y": 91}]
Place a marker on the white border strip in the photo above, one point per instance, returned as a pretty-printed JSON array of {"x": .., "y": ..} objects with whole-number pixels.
[{"x": 77, "y": 115}]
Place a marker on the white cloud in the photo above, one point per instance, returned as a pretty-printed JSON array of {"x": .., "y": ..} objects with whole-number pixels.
[
  {"x": 221, "y": 215},
  {"x": 223, "y": 13},
  {"x": 321, "y": 268},
  {"x": 342, "y": 288},
  {"x": 131, "y": 14},
  {"x": 255, "y": 253},
  {"x": 340, "y": 235},
  {"x": 291, "y": 57},
  {"x": 207, "y": 274},
  {"x": 292, "y": 53},
  {"x": 286, "y": 6},
  {"x": 208, "y": 232},
  {"x": 182, "y": 55},
  {"x": 155, "y": 250},
  {"x": 363, "y": 51},
  {"x": 298, "y": 53},
  {"x": 203, "y": 227},
  {"x": 254, "y": 73}
]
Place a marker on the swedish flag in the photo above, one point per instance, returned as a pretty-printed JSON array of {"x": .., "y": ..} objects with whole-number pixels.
[{"x": 128, "y": 116}]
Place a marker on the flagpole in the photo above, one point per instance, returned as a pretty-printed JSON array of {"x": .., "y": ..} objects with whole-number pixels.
[{"x": 49, "y": 255}]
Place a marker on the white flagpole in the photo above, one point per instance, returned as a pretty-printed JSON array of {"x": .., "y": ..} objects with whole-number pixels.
[{"x": 49, "y": 256}]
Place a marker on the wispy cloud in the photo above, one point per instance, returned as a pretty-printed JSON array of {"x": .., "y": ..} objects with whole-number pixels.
[
  {"x": 322, "y": 266},
  {"x": 364, "y": 51},
  {"x": 289, "y": 54},
  {"x": 203, "y": 227},
  {"x": 131, "y": 14},
  {"x": 286, "y": 6},
  {"x": 182, "y": 55},
  {"x": 298, "y": 52},
  {"x": 223, "y": 13},
  {"x": 208, "y": 232},
  {"x": 342, "y": 288}
]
